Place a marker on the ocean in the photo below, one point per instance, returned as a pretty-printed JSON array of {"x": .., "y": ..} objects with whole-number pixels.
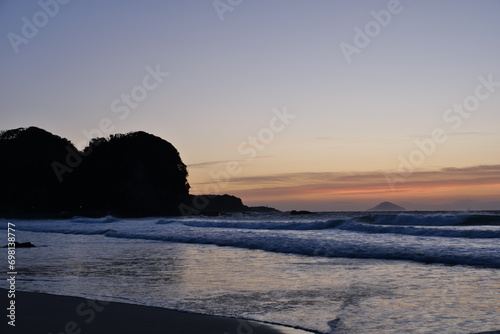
[{"x": 336, "y": 272}]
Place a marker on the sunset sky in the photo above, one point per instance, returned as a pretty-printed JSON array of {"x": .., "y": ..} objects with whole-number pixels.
[{"x": 319, "y": 105}]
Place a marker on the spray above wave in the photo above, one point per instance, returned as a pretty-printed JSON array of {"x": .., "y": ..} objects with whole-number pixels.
[
  {"x": 102, "y": 220},
  {"x": 345, "y": 225},
  {"x": 431, "y": 219},
  {"x": 347, "y": 247},
  {"x": 292, "y": 226},
  {"x": 420, "y": 231}
]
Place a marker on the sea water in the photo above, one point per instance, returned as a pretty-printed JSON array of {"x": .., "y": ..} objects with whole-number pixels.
[{"x": 418, "y": 272}]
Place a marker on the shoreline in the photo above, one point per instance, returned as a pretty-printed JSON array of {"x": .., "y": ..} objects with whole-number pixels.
[
  {"x": 38, "y": 312},
  {"x": 56, "y": 314}
]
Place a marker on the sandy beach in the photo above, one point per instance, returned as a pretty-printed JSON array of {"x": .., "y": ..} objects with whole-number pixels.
[{"x": 45, "y": 313}]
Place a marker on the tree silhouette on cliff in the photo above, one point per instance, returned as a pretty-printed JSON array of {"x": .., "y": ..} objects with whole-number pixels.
[
  {"x": 135, "y": 174},
  {"x": 28, "y": 183}
]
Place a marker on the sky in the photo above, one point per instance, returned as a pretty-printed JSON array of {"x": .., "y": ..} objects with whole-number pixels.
[{"x": 298, "y": 104}]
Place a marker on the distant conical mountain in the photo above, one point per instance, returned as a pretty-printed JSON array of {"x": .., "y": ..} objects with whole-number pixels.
[{"x": 387, "y": 206}]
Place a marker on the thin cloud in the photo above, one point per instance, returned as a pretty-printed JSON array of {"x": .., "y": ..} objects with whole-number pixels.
[
  {"x": 209, "y": 164},
  {"x": 367, "y": 184},
  {"x": 456, "y": 134},
  {"x": 325, "y": 138},
  {"x": 469, "y": 134}
]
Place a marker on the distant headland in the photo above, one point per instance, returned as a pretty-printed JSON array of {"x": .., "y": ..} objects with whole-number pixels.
[{"x": 130, "y": 175}]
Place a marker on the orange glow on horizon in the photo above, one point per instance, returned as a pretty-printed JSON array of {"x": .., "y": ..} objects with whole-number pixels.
[{"x": 480, "y": 182}]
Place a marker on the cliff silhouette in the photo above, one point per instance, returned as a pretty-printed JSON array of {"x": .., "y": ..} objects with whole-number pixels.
[
  {"x": 214, "y": 205},
  {"x": 28, "y": 182},
  {"x": 130, "y": 175},
  {"x": 134, "y": 174}
]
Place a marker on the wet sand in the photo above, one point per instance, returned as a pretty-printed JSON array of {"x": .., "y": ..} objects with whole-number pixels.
[{"x": 53, "y": 314}]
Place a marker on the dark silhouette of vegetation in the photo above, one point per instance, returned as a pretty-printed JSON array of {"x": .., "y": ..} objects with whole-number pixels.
[
  {"x": 135, "y": 174},
  {"x": 28, "y": 182}
]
